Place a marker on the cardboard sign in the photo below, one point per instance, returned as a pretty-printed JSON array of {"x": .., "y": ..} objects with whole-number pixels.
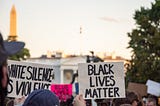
[
  {"x": 153, "y": 87},
  {"x": 26, "y": 77},
  {"x": 101, "y": 80},
  {"x": 138, "y": 88},
  {"x": 63, "y": 91}
]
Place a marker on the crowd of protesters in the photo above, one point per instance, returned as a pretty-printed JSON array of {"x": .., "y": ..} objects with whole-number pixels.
[
  {"x": 132, "y": 99},
  {"x": 48, "y": 98}
]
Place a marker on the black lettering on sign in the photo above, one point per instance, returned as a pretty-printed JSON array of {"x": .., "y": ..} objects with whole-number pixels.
[
  {"x": 9, "y": 71},
  {"x": 95, "y": 94},
  {"x": 102, "y": 92},
  {"x": 40, "y": 74},
  {"x": 22, "y": 72},
  {"x": 51, "y": 76},
  {"x": 105, "y": 93},
  {"x": 39, "y": 85},
  {"x": 27, "y": 88},
  {"x": 91, "y": 82},
  {"x": 116, "y": 89},
  {"x": 90, "y": 69},
  {"x": 47, "y": 75},
  {"x": 35, "y": 73},
  {"x": 110, "y": 92},
  {"x": 96, "y": 81},
  {"x": 12, "y": 70},
  {"x": 30, "y": 73},
  {"x": 10, "y": 90},
  {"x": 16, "y": 71},
  {"x": 99, "y": 92},
  {"x": 35, "y": 86},
  {"x": 102, "y": 81},
  {"x": 108, "y": 68},
  {"x": 101, "y": 70},
  {"x": 23, "y": 88},
  {"x": 18, "y": 88},
  {"x": 87, "y": 93},
  {"x": 105, "y": 69},
  {"x": 112, "y": 83}
]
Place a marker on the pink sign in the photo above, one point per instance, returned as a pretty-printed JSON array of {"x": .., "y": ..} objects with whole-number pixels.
[{"x": 63, "y": 91}]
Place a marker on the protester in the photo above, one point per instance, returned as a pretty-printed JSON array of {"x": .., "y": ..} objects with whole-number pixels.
[
  {"x": 121, "y": 102},
  {"x": 152, "y": 101},
  {"x": 42, "y": 98},
  {"x": 6, "y": 49},
  {"x": 133, "y": 98},
  {"x": 103, "y": 102}
]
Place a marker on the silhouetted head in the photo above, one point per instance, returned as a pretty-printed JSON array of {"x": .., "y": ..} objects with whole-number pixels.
[
  {"x": 6, "y": 49},
  {"x": 42, "y": 98}
]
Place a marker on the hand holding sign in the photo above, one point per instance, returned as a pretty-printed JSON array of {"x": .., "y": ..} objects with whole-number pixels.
[{"x": 79, "y": 101}]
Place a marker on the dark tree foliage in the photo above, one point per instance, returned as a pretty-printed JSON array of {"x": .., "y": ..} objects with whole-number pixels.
[{"x": 145, "y": 45}]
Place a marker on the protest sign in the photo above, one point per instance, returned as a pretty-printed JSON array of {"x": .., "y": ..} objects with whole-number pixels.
[
  {"x": 24, "y": 77},
  {"x": 153, "y": 88},
  {"x": 101, "y": 80},
  {"x": 63, "y": 91},
  {"x": 137, "y": 88}
]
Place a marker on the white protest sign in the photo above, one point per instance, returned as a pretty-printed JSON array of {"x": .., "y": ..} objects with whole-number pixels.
[
  {"x": 153, "y": 88},
  {"x": 101, "y": 80},
  {"x": 24, "y": 77}
]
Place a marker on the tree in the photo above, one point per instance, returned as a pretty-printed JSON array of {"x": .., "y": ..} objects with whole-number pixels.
[
  {"x": 22, "y": 55},
  {"x": 145, "y": 45}
]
